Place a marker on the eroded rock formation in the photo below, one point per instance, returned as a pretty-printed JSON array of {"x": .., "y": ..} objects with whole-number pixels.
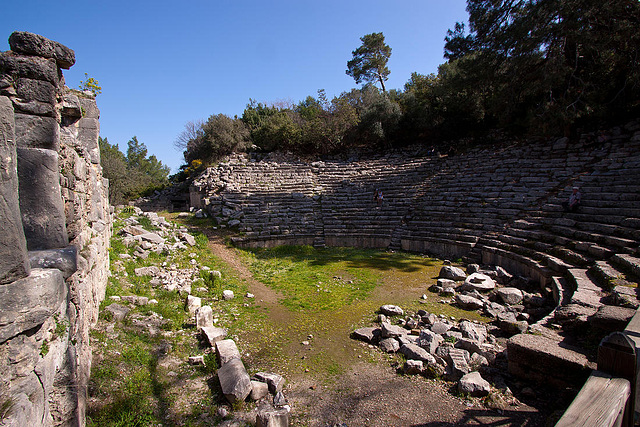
[{"x": 56, "y": 227}]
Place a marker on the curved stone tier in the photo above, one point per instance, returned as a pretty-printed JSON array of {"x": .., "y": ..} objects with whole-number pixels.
[{"x": 495, "y": 205}]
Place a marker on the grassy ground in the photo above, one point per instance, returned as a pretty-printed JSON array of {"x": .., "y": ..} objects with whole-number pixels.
[{"x": 140, "y": 373}]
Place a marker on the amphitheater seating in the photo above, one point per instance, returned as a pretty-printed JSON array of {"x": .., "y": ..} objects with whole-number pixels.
[{"x": 488, "y": 205}]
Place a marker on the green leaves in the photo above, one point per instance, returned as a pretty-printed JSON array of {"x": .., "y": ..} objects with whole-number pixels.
[{"x": 369, "y": 63}]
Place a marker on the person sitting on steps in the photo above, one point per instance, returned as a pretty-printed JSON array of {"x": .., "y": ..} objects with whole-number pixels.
[
  {"x": 378, "y": 197},
  {"x": 573, "y": 203}
]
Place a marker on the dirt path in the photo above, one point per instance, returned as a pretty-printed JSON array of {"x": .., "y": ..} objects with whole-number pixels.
[{"x": 371, "y": 393}]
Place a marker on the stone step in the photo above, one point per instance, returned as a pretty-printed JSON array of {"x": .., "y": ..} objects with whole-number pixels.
[
  {"x": 542, "y": 359},
  {"x": 587, "y": 293},
  {"x": 608, "y": 276},
  {"x": 628, "y": 263}
]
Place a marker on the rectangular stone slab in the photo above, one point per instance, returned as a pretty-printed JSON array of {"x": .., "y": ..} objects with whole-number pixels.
[
  {"x": 41, "y": 206},
  {"x": 14, "y": 263},
  {"x": 227, "y": 350},
  {"x": 28, "y": 302}
]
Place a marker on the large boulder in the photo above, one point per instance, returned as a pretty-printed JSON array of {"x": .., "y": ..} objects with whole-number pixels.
[
  {"x": 276, "y": 382},
  {"x": 37, "y": 45},
  {"x": 14, "y": 263}
]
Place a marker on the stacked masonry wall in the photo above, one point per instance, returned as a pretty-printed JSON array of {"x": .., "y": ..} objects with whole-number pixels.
[{"x": 56, "y": 226}]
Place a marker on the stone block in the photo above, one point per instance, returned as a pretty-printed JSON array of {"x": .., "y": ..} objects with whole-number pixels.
[
  {"x": 204, "y": 317},
  {"x": 71, "y": 106},
  {"x": 415, "y": 352},
  {"x": 30, "y": 67},
  {"x": 41, "y": 205},
  {"x": 213, "y": 334},
  {"x": 88, "y": 133},
  {"x": 14, "y": 263},
  {"x": 35, "y": 90},
  {"x": 37, "y": 132},
  {"x": 273, "y": 418},
  {"x": 35, "y": 44},
  {"x": 35, "y": 108},
  {"x": 119, "y": 311},
  {"x": 474, "y": 385},
  {"x": 65, "y": 260},
  {"x": 276, "y": 382},
  {"x": 234, "y": 381},
  {"x": 193, "y": 304},
  {"x": 227, "y": 350},
  {"x": 28, "y": 302},
  {"x": 259, "y": 390},
  {"x": 543, "y": 360},
  {"x": 367, "y": 334},
  {"x": 90, "y": 108}
]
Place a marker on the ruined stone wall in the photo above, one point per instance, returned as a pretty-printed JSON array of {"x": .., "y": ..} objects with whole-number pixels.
[{"x": 56, "y": 226}]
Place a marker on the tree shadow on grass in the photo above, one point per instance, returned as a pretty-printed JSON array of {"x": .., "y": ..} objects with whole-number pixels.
[{"x": 355, "y": 258}]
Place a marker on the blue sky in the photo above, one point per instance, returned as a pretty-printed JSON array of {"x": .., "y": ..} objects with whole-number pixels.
[{"x": 163, "y": 63}]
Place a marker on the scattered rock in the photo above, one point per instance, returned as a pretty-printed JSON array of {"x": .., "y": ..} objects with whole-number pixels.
[
  {"x": 451, "y": 272},
  {"x": 391, "y": 310},
  {"x": 474, "y": 385}
]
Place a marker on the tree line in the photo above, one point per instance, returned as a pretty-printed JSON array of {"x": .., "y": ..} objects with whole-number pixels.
[
  {"x": 132, "y": 175},
  {"x": 525, "y": 67}
]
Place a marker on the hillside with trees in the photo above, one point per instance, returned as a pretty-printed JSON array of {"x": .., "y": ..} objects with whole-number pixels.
[
  {"x": 525, "y": 68},
  {"x": 132, "y": 175}
]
